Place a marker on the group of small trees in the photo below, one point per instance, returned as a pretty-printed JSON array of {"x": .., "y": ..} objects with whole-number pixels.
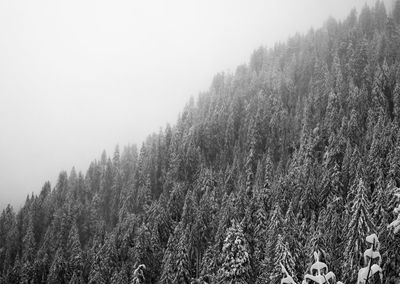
[{"x": 371, "y": 273}]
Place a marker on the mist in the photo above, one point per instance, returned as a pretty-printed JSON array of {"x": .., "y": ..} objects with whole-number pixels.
[{"x": 77, "y": 77}]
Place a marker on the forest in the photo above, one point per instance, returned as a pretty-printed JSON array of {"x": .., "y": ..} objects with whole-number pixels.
[{"x": 294, "y": 154}]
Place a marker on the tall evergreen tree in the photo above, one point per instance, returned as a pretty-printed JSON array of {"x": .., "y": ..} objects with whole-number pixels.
[
  {"x": 359, "y": 226},
  {"x": 235, "y": 265},
  {"x": 75, "y": 259},
  {"x": 27, "y": 273},
  {"x": 283, "y": 256},
  {"x": 58, "y": 269}
]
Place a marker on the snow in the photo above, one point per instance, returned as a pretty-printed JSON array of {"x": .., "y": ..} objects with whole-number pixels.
[
  {"x": 396, "y": 223},
  {"x": 371, "y": 254},
  {"x": 363, "y": 273},
  {"x": 319, "y": 278},
  {"x": 288, "y": 279},
  {"x": 319, "y": 272},
  {"x": 319, "y": 266},
  {"x": 372, "y": 239}
]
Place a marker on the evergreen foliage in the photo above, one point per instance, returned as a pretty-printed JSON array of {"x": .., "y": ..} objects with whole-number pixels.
[
  {"x": 301, "y": 145},
  {"x": 235, "y": 258}
]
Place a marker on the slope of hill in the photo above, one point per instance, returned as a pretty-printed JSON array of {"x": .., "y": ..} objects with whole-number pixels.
[{"x": 297, "y": 151}]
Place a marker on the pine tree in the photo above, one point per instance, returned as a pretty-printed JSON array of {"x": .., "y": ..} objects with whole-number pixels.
[
  {"x": 372, "y": 261},
  {"x": 250, "y": 166},
  {"x": 76, "y": 279},
  {"x": 366, "y": 21},
  {"x": 138, "y": 275},
  {"x": 293, "y": 236},
  {"x": 209, "y": 262},
  {"x": 333, "y": 226},
  {"x": 283, "y": 256},
  {"x": 28, "y": 257},
  {"x": 144, "y": 252},
  {"x": 43, "y": 260},
  {"x": 396, "y": 12},
  {"x": 379, "y": 203},
  {"x": 169, "y": 267},
  {"x": 380, "y": 15},
  {"x": 75, "y": 260},
  {"x": 7, "y": 224},
  {"x": 182, "y": 274},
  {"x": 235, "y": 265},
  {"x": 120, "y": 277},
  {"x": 395, "y": 225},
  {"x": 359, "y": 226},
  {"x": 260, "y": 236},
  {"x": 14, "y": 276},
  {"x": 273, "y": 228},
  {"x": 391, "y": 267},
  {"x": 117, "y": 187},
  {"x": 57, "y": 273}
]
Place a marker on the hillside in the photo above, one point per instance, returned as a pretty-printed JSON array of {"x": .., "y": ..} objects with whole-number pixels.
[{"x": 298, "y": 151}]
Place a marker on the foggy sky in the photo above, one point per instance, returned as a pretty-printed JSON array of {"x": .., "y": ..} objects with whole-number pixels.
[{"x": 77, "y": 77}]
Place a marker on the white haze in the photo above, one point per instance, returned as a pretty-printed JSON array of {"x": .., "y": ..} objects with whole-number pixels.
[{"x": 80, "y": 76}]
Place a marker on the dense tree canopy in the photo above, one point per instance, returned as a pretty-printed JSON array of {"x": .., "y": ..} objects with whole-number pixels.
[{"x": 297, "y": 151}]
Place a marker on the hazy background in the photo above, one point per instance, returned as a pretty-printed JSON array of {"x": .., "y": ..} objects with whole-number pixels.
[{"x": 80, "y": 76}]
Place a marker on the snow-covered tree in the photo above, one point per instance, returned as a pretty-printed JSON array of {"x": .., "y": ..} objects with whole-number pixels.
[
  {"x": 235, "y": 266},
  {"x": 28, "y": 256},
  {"x": 359, "y": 226},
  {"x": 182, "y": 274},
  {"x": 76, "y": 279},
  {"x": 209, "y": 262},
  {"x": 395, "y": 225},
  {"x": 138, "y": 275},
  {"x": 75, "y": 260},
  {"x": 319, "y": 272},
  {"x": 274, "y": 229},
  {"x": 120, "y": 276},
  {"x": 260, "y": 236},
  {"x": 284, "y": 257},
  {"x": 392, "y": 265},
  {"x": 168, "y": 269},
  {"x": 372, "y": 260},
  {"x": 57, "y": 273}
]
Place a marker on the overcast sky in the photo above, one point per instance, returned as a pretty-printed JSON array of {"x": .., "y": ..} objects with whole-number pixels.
[{"x": 80, "y": 76}]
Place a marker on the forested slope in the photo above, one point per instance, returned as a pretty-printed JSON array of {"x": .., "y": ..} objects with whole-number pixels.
[{"x": 297, "y": 151}]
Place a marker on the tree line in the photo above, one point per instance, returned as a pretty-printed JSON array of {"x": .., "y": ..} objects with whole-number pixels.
[{"x": 295, "y": 152}]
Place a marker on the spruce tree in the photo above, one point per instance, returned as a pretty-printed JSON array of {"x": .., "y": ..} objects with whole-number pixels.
[
  {"x": 282, "y": 256},
  {"x": 391, "y": 266},
  {"x": 360, "y": 224},
  {"x": 58, "y": 269},
  {"x": 120, "y": 277},
  {"x": 27, "y": 273},
  {"x": 182, "y": 263},
  {"x": 74, "y": 250},
  {"x": 235, "y": 259},
  {"x": 76, "y": 279},
  {"x": 139, "y": 275}
]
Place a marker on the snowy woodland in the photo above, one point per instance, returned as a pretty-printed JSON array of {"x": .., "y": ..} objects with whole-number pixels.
[{"x": 285, "y": 171}]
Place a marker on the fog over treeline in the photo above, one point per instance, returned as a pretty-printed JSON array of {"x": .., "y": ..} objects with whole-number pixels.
[
  {"x": 285, "y": 170},
  {"x": 79, "y": 77}
]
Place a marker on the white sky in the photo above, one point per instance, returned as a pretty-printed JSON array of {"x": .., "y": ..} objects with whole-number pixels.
[{"x": 80, "y": 76}]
